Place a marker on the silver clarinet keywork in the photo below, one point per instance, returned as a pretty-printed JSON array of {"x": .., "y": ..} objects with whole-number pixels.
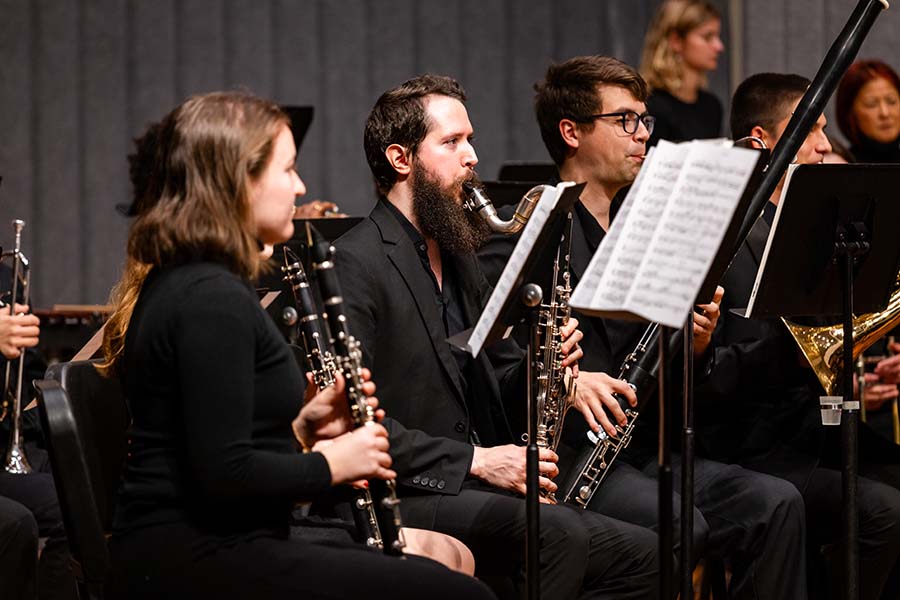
[
  {"x": 594, "y": 465},
  {"x": 16, "y": 462},
  {"x": 319, "y": 358}
]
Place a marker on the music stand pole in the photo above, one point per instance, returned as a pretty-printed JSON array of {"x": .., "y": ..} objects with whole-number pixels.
[
  {"x": 687, "y": 463},
  {"x": 531, "y": 296},
  {"x": 847, "y": 251},
  {"x": 665, "y": 471}
]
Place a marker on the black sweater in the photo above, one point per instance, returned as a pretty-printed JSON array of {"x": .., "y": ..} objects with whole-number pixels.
[
  {"x": 678, "y": 121},
  {"x": 212, "y": 389}
]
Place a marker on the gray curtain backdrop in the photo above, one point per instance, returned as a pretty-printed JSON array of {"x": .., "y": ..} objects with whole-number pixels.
[{"x": 80, "y": 79}]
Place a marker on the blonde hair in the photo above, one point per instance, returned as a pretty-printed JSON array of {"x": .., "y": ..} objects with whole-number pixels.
[
  {"x": 661, "y": 67},
  {"x": 195, "y": 196}
]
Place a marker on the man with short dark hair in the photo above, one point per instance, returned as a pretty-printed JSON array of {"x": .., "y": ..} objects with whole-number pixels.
[
  {"x": 767, "y": 416},
  {"x": 410, "y": 280},
  {"x": 592, "y": 115}
]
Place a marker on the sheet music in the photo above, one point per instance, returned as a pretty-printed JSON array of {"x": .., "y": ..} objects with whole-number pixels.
[
  {"x": 692, "y": 227},
  {"x": 639, "y": 230},
  {"x": 589, "y": 283},
  {"x": 614, "y": 266},
  {"x": 670, "y": 236},
  {"x": 514, "y": 265}
]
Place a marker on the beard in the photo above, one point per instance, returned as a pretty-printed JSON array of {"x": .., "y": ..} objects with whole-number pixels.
[{"x": 441, "y": 217}]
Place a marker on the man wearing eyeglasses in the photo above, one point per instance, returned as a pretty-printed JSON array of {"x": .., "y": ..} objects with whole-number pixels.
[{"x": 593, "y": 120}]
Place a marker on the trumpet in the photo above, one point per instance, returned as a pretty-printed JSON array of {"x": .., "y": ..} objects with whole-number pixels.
[{"x": 15, "y": 461}]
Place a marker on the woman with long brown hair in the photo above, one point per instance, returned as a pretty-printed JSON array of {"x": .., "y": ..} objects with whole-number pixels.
[{"x": 213, "y": 467}]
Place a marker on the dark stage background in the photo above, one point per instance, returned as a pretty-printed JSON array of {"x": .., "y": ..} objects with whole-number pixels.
[{"x": 79, "y": 79}]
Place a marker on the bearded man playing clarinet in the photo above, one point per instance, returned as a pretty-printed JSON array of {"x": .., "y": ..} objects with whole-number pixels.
[
  {"x": 593, "y": 119},
  {"x": 411, "y": 280}
]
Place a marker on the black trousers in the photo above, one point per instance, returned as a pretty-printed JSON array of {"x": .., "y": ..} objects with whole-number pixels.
[
  {"x": 18, "y": 551},
  {"x": 177, "y": 561},
  {"x": 813, "y": 466},
  {"x": 879, "y": 531},
  {"x": 753, "y": 521},
  {"x": 37, "y": 492},
  {"x": 583, "y": 554}
]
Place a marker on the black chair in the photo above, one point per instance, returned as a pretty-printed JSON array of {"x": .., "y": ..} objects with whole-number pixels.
[{"x": 85, "y": 419}]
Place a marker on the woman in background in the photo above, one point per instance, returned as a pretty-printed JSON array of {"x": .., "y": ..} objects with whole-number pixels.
[
  {"x": 868, "y": 111},
  {"x": 681, "y": 47},
  {"x": 213, "y": 467}
]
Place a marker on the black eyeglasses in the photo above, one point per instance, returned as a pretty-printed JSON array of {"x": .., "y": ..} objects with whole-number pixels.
[{"x": 628, "y": 118}]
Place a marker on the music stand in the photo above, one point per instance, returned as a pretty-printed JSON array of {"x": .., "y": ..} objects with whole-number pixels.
[
  {"x": 301, "y": 118},
  {"x": 832, "y": 251},
  {"x": 528, "y": 172},
  {"x": 520, "y": 305},
  {"x": 507, "y": 193}
]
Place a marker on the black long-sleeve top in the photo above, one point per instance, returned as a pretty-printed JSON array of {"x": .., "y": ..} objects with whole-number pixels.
[
  {"x": 679, "y": 121},
  {"x": 212, "y": 389}
]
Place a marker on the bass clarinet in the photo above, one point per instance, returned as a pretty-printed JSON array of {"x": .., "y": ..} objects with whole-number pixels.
[{"x": 555, "y": 389}]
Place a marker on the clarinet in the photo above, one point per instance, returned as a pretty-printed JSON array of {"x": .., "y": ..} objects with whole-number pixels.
[
  {"x": 348, "y": 358},
  {"x": 323, "y": 366},
  {"x": 319, "y": 359}
]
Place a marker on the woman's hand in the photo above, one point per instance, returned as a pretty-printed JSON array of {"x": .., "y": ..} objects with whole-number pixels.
[
  {"x": 360, "y": 454},
  {"x": 326, "y": 413}
]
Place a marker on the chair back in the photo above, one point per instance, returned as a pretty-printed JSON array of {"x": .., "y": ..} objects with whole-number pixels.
[{"x": 85, "y": 420}]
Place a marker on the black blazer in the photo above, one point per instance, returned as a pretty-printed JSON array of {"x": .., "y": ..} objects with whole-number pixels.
[
  {"x": 759, "y": 402},
  {"x": 390, "y": 303}
]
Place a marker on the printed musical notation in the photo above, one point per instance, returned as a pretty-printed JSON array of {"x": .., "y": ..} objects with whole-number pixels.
[{"x": 655, "y": 256}]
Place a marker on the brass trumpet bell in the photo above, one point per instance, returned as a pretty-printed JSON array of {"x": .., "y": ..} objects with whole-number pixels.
[{"x": 823, "y": 346}]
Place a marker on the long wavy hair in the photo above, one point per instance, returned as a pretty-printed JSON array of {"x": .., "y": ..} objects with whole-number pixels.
[
  {"x": 192, "y": 197},
  {"x": 661, "y": 67}
]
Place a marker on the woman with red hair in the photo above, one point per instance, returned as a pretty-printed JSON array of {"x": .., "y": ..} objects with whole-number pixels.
[{"x": 868, "y": 111}]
